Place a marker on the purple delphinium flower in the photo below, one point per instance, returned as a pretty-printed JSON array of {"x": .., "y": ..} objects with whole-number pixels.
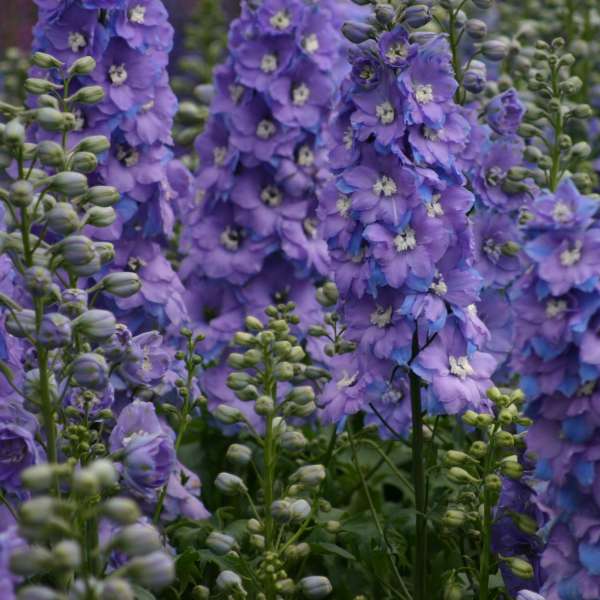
[
  {"x": 505, "y": 112},
  {"x": 10, "y": 541}
]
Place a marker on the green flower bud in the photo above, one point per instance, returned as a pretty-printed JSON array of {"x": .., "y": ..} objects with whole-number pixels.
[
  {"x": 299, "y": 510},
  {"x": 460, "y": 476},
  {"x": 96, "y": 144},
  {"x": 300, "y": 410},
  {"x": 38, "y": 592},
  {"x": 264, "y": 405},
  {"x": 45, "y": 61},
  {"x": 50, "y": 119},
  {"x": 302, "y": 394},
  {"x": 265, "y": 337},
  {"x": 38, "y": 478},
  {"x": 484, "y": 420},
  {"x": 280, "y": 510},
  {"x": 254, "y": 526},
  {"x": 582, "y": 111},
  {"x": 453, "y": 591},
  {"x": 309, "y": 475},
  {"x": 102, "y": 195},
  {"x": 494, "y": 50},
  {"x": 252, "y": 357},
  {"x": 241, "y": 338},
  {"x": 317, "y": 331},
  {"x": 293, "y": 441},
  {"x": 283, "y": 371},
  {"x": 525, "y": 523},
  {"x": 96, "y": 324},
  {"x": 476, "y": 29},
  {"x": 34, "y": 85},
  {"x": 236, "y": 360},
  {"x": 38, "y": 281},
  {"x": 121, "y": 510},
  {"x": 220, "y": 543},
  {"x": 228, "y": 414},
  {"x": 122, "y": 285},
  {"x": 532, "y": 154},
  {"x": 512, "y": 469},
  {"x": 90, "y": 94},
  {"x": 105, "y": 472},
  {"x": 200, "y": 592},
  {"x": 455, "y": 457},
  {"x": 238, "y": 380},
  {"x": 297, "y": 354},
  {"x": 82, "y": 66},
  {"x": 505, "y": 416},
  {"x": 238, "y": 454},
  {"x": 453, "y": 518},
  {"x": 493, "y": 483},
  {"x": 571, "y": 86},
  {"x": 297, "y": 551},
  {"x": 117, "y": 588},
  {"x": 138, "y": 539},
  {"x": 286, "y": 587},
  {"x": 36, "y": 511},
  {"x": 333, "y": 526},
  {"x": 14, "y": 133},
  {"x": 21, "y": 323},
  {"x": 63, "y": 219},
  {"x": 83, "y": 162},
  {"x": 30, "y": 560},
  {"x": 69, "y": 183},
  {"x": 228, "y": 581},
  {"x": 21, "y": 194},
  {"x": 47, "y": 100},
  {"x": 85, "y": 483},
  {"x": 282, "y": 348},
  {"x": 470, "y": 418},
  {"x": 504, "y": 439},
  {"x": 315, "y": 587},
  {"x": 253, "y": 323},
  {"x": 66, "y": 555},
  {"x": 521, "y": 568},
  {"x": 100, "y": 216},
  {"x": 581, "y": 151},
  {"x": 50, "y": 153},
  {"x": 154, "y": 571},
  {"x": 230, "y": 485}
]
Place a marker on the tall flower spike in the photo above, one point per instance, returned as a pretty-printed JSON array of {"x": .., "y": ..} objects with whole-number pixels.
[
  {"x": 130, "y": 41},
  {"x": 251, "y": 237}
]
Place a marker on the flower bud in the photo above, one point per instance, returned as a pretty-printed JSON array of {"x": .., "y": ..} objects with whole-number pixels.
[
  {"x": 37, "y": 86},
  {"x": 102, "y": 195},
  {"x": 512, "y": 469},
  {"x": 83, "y": 162},
  {"x": 279, "y": 426},
  {"x": 521, "y": 568},
  {"x": 285, "y": 587},
  {"x": 200, "y": 592},
  {"x": 36, "y": 511},
  {"x": 250, "y": 392},
  {"x": 476, "y": 29},
  {"x": 228, "y": 581},
  {"x": 253, "y": 323},
  {"x": 77, "y": 250},
  {"x": 69, "y": 183},
  {"x": 55, "y": 330},
  {"x": 20, "y": 323},
  {"x": 238, "y": 380},
  {"x": 299, "y": 510},
  {"x": 309, "y": 475},
  {"x": 38, "y": 592},
  {"x": 460, "y": 476},
  {"x": 228, "y": 414},
  {"x": 301, "y": 395},
  {"x": 90, "y": 371},
  {"x": 90, "y": 94},
  {"x": 50, "y": 119},
  {"x": 74, "y": 302},
  {"x": 280, "y": 510},
  {"x": 315, "y": 587},
  {"x": 484, "y": 420},
  {"x": 455, "y": 457},
  {"x": 38, "y": 281},
  {"x": 282, "y": 348},
  {"x": 284, "y": 371},
  {"x": 264, "y": 406},
  {"x": 122, "y": 285},
  {"x": 105, "y": 250},
  {"x": 63, "y": 219},
  {"x": 504, "y": 439},
  {"x": 494, "y": 50},
  {"x": 236, "y": 360},
  {"x": 581, "y": 151},
  {"x": 239, "y": 455},
  {"x": 30, "y": 560},
  {"x": 14, "y": 133},
  {"x": 470, "y": 417},
  {"x": 96, "y": 324},
  {"x": 104, "y": 470},
  {"x": 241, "y": 338},
  {"x": 525, "y": 523},
  {"x": 478, "y": 449},
  {"x": 220, "y": 543},
  {"x": 101, "y": 216},
  {"x": 66, "y": 555},
  {"x": 297, "y": 551},
  {"x": 474, "y": 80},
  {"x": 117, "y": 588},
  {"x": 254, "y": 526},
  {"x": 385, "y": 13},
  {"x": 293, "y": 441},
  {"x": 154, "y": 571},
  {"x": 357, "y": 32},
  {"x": 21, "y": 194},
  {"x": 453, "y": 518},
  {"x": 417, "y": 15},
  {"x": 121, "y": 510},
  {"x": 230, "y": 485},
  {"x": 38, "y": 478},
  {"x": 50, "y": 153},
  {"x": 493, "y": 483},
  {"x": 138, "y": 539},
  {"x": 45, "y": 61},
  {"x": 82, "y": 66}
]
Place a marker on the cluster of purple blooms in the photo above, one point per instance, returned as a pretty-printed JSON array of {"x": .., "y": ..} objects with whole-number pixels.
[
  {"x": 250, "y": 238},
  {"x": 130, "y": 40},
  {"x": 401, "y": 242},
  {"x": 556, "y": 303}
]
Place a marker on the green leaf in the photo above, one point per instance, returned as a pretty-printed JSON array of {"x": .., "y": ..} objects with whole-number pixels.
[
  {"x": 142, "y": 594},
  {"x": 327, "y": 548}
]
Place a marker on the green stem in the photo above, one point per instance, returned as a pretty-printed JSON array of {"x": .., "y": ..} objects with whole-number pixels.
[
  {"x": 484, "y": 564},
  {"x": 558, "y": 131},
  {"x": 420, "y": 570}
]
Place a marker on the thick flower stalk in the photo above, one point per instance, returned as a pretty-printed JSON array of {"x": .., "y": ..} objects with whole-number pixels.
[
  {"x": 130, "y": 40},
  {"x": 251, "y": 238}
]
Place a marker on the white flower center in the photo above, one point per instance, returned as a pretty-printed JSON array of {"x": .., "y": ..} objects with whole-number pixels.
[
  {"x": 117, "y": 74},
  {"x": 493, "y": 249},
  {"x": 137, "y": 14},
  {"x": 555, "y": 308},
  {"x": 300, "y": 94},
  {"x": 146, "y": 362},
  {"x": 266, "y": 129},
  {"x": 571, "y": 257},
  {"x": 430, "y": 134},
  {"x": 367, "y": 73},
  {"x": 219, "y": 154},
  {"x": 79, "y": 119},
  {"x": 310, "y": 227},
  {"x": 381, "y": 317},
  {"x": 348, "y": 139},
  {"x": 76, "y": 41},
  {"x": 385, "y": 113},
  {"x": 434, "y": 208},
  {"x": 129, "y": 438},
  {"x": 306, "y": 157},
  {"x": 148, "y": 106},
  {"x": 472, "y": 310},
  {"x": 343, "y": 204},
  {"x": 280, "y": 20},
  {"x": 268, "y": 64},
  {"x": 310, "y": 43},
  {"x": 230, "y": 239},
  {"x": 271, "y": 195},
  {"x": 460, "y": 367},
  {"x": 562, "y": 213},
  {"x": 347, "y": 380},
  {"x": 235, "y": 92},
  {"x": 396, "y": 52},
  {"x": 438, "y": 286},
  {"x": 424, "y": 93},
  {"x": 495, "y": 176},
  {"x": 135, "y": 263},
  {"x": 385, "y": 186},
  {"x": 406, "y": 240},
  {"x": 128, "y": 156}
]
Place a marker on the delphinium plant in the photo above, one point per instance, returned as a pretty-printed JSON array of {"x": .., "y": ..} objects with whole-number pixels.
[
  {"x": 71, "y": 368},
  {"x": 130, "y": 41},
  {"x": 13, "y": 72}
]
